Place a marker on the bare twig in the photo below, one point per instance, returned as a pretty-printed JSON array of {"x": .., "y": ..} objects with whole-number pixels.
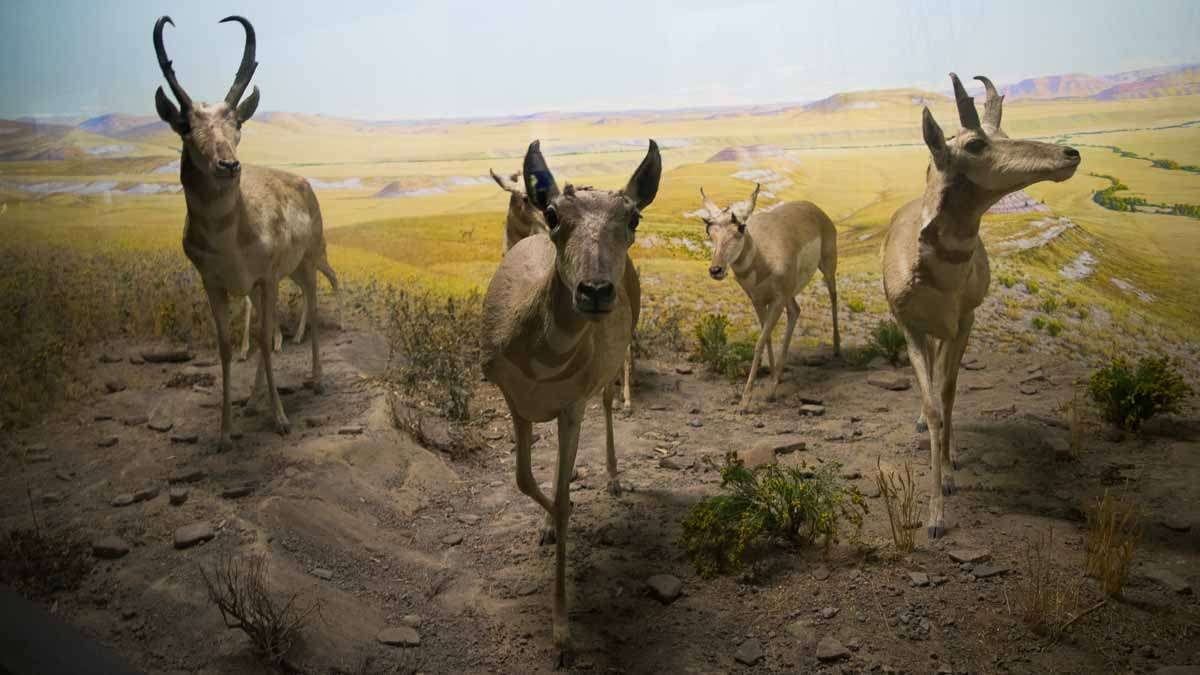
[{"x": 37, "y": 528}]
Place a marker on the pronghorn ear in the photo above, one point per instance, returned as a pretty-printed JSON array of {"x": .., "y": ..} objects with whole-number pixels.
[
  {"x": 935, "y": 140},
  {"x": 168, "y": 113},
  {"x": 246, "y": 108},
  {"x": 540, "y": 187},
  {"x": 643, "y": 185},
  {"x": 509, "y": 183}
]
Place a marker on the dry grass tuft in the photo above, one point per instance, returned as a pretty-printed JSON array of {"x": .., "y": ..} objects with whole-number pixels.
[
  {"x": 1114, "y": 530},
  {"x": 1049, "y": 603},
  {"x": 240, "y": 588},
  {"x": 899, "y": 492}
]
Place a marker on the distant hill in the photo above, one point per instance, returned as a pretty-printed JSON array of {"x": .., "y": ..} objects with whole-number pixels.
[
  {"x": 115, "y": 124},
  {"x": 872, "y": 100},
  {"x": 1151, "y": 82}
]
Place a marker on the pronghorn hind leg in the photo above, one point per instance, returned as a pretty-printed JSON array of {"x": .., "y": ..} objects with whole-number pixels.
[
  {"x": 270, "y": 297},
  {"x": 793, "y": 313},
  {"x": 610, "y": 456},
  {"x": 302, "y": 325},
  {"x": 831, "y": 285},
  {"x": 772, "y": 316},
  {"x": 950, "y": 358},
  {"x": 309, "y": 315},
  {"x": 246, "y": 307},
  {"x": 627, "y": 381}
]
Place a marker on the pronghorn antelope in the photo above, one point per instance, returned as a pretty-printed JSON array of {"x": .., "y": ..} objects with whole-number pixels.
[
  {"x": 524, "y": 220},
  {"x": 246, "y": 228},
  {"x": 935, "y": 268},
  {"x": 773, "y": 255},
  {"x": 557, "y": 318}
]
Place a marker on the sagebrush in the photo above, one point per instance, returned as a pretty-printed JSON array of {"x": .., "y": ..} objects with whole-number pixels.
[
  {"x": 1129, "y": 395},
  {"x": 798, "y": 504},
  {"x": 240, "y": 587},
  {"x": 716, "y": 352}
]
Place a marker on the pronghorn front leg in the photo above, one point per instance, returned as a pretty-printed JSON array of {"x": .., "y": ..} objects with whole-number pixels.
[
  {"x": 768, "y": 324},
  {"x": 626, "y": 380},
  {"x": 793, "y": 313},
  {"x": 614, "y": 485},
  {"x": 523, "y": 431},
  {"x": 246, "y": 305},
  {"x": 950, "y": 353},
  {"x": 919, "y": 354},
  {"x": 569, "y": 421},
  {"x": 218, "y": 301}
]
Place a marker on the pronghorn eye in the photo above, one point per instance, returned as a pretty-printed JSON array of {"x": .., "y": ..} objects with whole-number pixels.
[
  {"x": 633, "y": 222},
  {"x": 976, "y": 146},
  {"x": 552, "y": 218}
]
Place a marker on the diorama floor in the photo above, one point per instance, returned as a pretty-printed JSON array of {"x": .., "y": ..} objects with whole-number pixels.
[{"x": 383, "y": 533}]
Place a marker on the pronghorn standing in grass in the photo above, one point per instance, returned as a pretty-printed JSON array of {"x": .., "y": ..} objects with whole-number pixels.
[
  {"x": 524, "y": 220},
  {"x": 935, "y": 268},
  {"x": 246, "y": 228},
  {"x": 773, "y": 255},
  {"x": 558, "y": 316}
]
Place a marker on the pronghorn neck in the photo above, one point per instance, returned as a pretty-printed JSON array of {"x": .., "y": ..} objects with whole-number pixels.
[
  {"x": 746, "y": 265},
  {"x": 951, "y": 212},
  {"x": 563, "y": 326},
  {"x": 207, "y": 200}
]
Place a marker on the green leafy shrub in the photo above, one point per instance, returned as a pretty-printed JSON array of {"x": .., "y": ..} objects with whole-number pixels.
[
  {"x": 1039, "y": 322},
  {"x": 796, "y": 504},
  {"x": 856, "y": 305},
  {"x": 1006, "y": 280},
  {"x": 1049, "y": 305},
  {"x": 1032, "y": 286},
  {"x": 1054, "y": 327},
  {"x": 1129, "y": 395},
  {"x": 716, "y": 352},
  {"x": 1083, "y": 313},
  {"x": 888, "y": 341}
]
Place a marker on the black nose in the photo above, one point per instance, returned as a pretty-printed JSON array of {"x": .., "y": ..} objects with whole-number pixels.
[
  {"x": 230, "y": 165},
  {"x": 1071, "y": 152},
  {"x": 599, "y": 293},
  {"x": 715, "y": 270}
]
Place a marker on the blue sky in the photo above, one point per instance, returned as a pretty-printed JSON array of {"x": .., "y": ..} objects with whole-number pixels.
[{"x": 446, "y": 59}]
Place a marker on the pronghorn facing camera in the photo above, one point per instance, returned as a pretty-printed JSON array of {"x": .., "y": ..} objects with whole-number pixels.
[
  {"x": 523, "y": 220},
  {"x": 246, "y": 227},
  {"x": 557, "y": 318},
  {"x": 773, "y": 255},
  {"x": 935, "y": 268}
]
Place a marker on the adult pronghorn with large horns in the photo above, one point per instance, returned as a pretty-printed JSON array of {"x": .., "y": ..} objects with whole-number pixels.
[
  {"x": 773, "y": 255},
  {"x": 557, "y": 319},
  {"x": 935, "y": 267},
  {"x": 246, "y": 227},
  {"x": 525, "y": 220}
]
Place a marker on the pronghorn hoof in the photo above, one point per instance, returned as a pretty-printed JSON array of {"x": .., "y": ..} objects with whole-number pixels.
[
  {"x": 614, "y": 488},
  {"x": 318, "y": 387},
  {"x": 922, "y": 426},
  {"x": 936, "y": 531},
  {"x": 948, "y": 487},
  {"x": 547, "y": 537},
  {"x": 282, "y": 426}
]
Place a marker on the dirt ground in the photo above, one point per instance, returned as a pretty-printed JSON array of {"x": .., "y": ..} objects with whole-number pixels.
[{"x": 386, "y": 534}]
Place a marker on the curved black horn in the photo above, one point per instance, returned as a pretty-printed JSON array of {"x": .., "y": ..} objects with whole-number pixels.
[
  {"x": 246, "y": 69},
  {"x": 164, "y": 63},
  {"x": 968, "y": 117},
  {"x": 994, "y": 106}
]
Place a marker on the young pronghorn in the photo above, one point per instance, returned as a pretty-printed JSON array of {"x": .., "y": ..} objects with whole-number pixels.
[
  {"x": 935, "y": 268},
  {"x": 557, "y": 319},
  {"x": 246, "y": 228},
  {"x": 524, "y": 220},
  {"x": 773, "y": 255}
]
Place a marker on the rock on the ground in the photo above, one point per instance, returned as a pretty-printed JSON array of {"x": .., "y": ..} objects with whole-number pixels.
[
  {"x": 749, "y": 652},
  {"x": 115, "y": 385},
  {"x": 108, "y": 441},
  {"x": 237, "y": 491},
  {"x": 146, "y": 493},
  {"x": 110, "y": 547},
  {"x": 452, "y": 539},
  {"x": 190, "y": 535},
  {"x": 160, "y": 425},
  {"x": 664, "y": 587},
  {"x": 1167, "y": 579},
  {"x": 106, "y": 357},
  {"x": 918, "y": 579},
  {"x": 468, "y": 518},
  {"x": 829, "y": 649},
  {"x": 186, "y": 476},
  {"x": 812, "y": 410},
  {"x": 187, "y": 438},
  {"x": 351, "y": 430},
  {"x": 998, "y": 460},
  {"x": 821, "y": 573},
  {"x": 760, "y": 455},
  {"x": 802, "y": 631},
  {"x": 986, "y": 571},
  {"x": 135, "y": 420},
  {"x": 889, "y": 381},
  {"x": 1178, "y": 670},
  {"x": 411, "y": 620},
  {"x": 124, "y": 499},
  {"x": 790, "y": 446},
  {"x": 400, "y": 636},
  {"x": 828, "y": 613},
  {"x": 178, "y": 495},
  {"x": 970, "y": 555},
  {"x": 1176, "y": 524},
  {"x": 322, "y": 573}
]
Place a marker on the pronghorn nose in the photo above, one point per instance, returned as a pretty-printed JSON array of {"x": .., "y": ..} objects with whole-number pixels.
[
  {"x": 600, "y": 293},
  {"x": 1071, "y": 153},
  {"x": 715, "y": 270},
  {"x": 230, "y": 165}
]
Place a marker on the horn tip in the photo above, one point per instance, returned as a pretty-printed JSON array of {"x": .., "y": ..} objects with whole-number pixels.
[
  {"x": 536, "y": 146},
  {"x": 653, "y": 145}
]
